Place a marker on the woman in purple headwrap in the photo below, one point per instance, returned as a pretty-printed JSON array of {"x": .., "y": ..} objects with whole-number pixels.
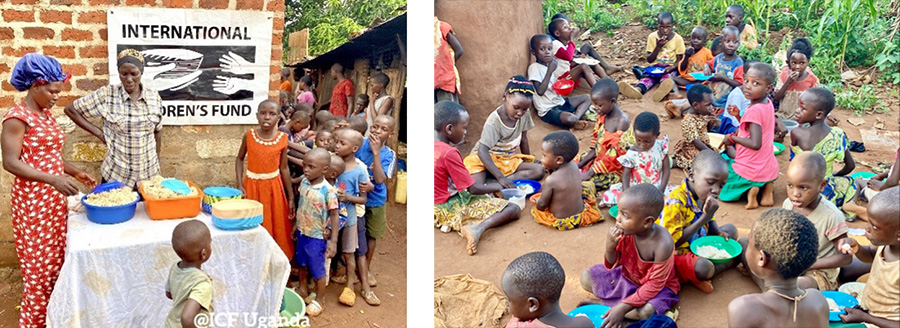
[{"x": 32, "y": 145}]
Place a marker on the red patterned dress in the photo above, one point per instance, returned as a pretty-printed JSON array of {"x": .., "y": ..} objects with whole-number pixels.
[{"x": 39, "y": 214}]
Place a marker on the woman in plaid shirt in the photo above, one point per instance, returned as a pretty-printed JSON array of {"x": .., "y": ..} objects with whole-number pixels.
[{"x": 132, "y": 115}]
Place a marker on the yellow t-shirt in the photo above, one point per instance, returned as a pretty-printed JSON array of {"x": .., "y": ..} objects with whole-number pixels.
[
  {"x": 881, "y": 296},
  {"x": 749, "y": 38},
  {"x": 667, "y": 55},
  {"x": 184, "y": 284}
]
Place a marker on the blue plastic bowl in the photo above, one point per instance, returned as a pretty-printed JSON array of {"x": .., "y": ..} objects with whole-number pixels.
[
  {"x": 864, "y": 175},
  {"x": 700, "y": 77},
  {"x": 237, "y": 224},
  {"x": 213, "y": 195},
  {"x": 525, "y": 182},
  {"x": 842, "y": 299},
  {"x": 592, "y": 311},
  {"x": 109, "y": 214},
  {"x": 654, "y": 71}
]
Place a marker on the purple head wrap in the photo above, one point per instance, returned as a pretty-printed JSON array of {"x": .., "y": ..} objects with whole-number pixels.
[{"x": 36, "y": 68}]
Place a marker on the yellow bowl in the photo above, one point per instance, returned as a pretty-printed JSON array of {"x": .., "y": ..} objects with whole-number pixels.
[{"x": 715, "y": 139}]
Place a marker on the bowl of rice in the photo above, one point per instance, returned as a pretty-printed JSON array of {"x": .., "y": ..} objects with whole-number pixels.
[
  {"x": 111, "y": 206},
  {"x": 716, "y": 248}
]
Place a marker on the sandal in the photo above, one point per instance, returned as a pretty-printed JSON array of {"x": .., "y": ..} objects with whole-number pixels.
[
  {"x": 371, "y": 279},
  {"x": 314, "y": 309},
  {"x": 348, "y": 297},
  {"x": 370, "y": 298},
  {"x": 342, "y": 279}
]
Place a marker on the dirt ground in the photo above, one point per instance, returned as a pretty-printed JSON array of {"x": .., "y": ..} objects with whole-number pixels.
[
  {"x": 581, "y": 248},
  {"x": 389, "y": 265}
]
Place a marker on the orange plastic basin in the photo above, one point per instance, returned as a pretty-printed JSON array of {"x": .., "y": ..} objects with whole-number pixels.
[{"x": 173, "y": 208}]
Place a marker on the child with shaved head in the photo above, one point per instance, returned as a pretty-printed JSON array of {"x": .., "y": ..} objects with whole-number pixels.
[
  {"x": 881, "y": 296},
  {"x": 189, "y": 288},
  {"x": 533, "y": 283},
  {"x": 565, "y": 202},
  {"x": 806, "y": 179},
  {"x": 781, "y": 247},
  {"x": 638, "y": 275}
]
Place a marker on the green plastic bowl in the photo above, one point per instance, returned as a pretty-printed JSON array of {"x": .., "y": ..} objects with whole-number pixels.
[
  {"x": 733, "y": 247},
  {"x": 864, "y": 175},
  {"x": 292, "y": 306},
  {"x": 778, "y": 148},
  {"x": 614, "y": 211}
]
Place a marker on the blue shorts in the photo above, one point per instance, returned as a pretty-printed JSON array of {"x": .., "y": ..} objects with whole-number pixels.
[
  {"x": 552, "y": 116},
  {"x": 310, "y": 253},
  {"x": 362, "y": 248}
]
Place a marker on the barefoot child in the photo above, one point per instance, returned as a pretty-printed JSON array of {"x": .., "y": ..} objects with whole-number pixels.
[
  {"x": 317, "y": 211},
  {"x": 726, "y": 68},
  {"x": 881, "y": 296},
  {"x": 694, "y": 127},
  {"x": 665, "y": 49},
  {"x": 734, "y": 16},
  {"x": 543, "y": 73},
  {"x": 831, "y": 142},
  {"x": 697, "y": 57},
  {"x": 563, "y": 49},
  {"x": 189, "y": 288},
  {"x": 587, "y": 49},
  {"x": 689, "y": 214},
  {"x": 564, "y": 202},
  {"x": 533, "y": 283},
  {"x": 612, "y": 136},
  {"x": 782, "y": 245},
  {"x": 267, "y": 178},
  {"x": 754, "y": 163},
  {"x": 638, "y": 262},
  {"x": 795, "y": 78},
  {"x": 806, "y": 179},
  {"x": 457, "y": 197},
  {"x": 645, "y": 162},
  {"x": 502, "y": 152},
  {"x": 381, "y": 162}
]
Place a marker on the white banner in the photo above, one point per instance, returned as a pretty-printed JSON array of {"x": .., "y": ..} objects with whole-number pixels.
[{"x": 210, "y": 67}]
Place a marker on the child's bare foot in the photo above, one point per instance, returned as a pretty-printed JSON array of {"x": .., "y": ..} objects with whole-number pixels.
[
  {"x": 704, "y": 286},
  {"x": 673, "y": 111},
  {"x": 472, "y": 235},
  {"x": 614, "y": 69},
  {"x": 675, "y": 95},
  {"x": 743, "y": 270},
  {"x": 768, "y": 197},
  {"x": 581, "y": 125},
  {"x": 861, "y": 211},
  {"x": 751, "y": 198}
]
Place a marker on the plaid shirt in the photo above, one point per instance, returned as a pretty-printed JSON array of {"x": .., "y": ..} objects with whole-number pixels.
[{"x": 129, "y": 128}]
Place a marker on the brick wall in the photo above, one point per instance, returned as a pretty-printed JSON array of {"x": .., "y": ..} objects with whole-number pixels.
[{"x": 74, "y": 31}]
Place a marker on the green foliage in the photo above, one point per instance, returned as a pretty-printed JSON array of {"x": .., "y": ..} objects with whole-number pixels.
[
  {"x": 592, "y": 15},
  {"x": 888, "y": 62},
  {"x": 861, "y": 101},
  {"x": 331, "y": 22}
]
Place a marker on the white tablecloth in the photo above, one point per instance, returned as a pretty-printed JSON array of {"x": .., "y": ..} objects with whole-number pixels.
[{"x": 115, "y": 275}]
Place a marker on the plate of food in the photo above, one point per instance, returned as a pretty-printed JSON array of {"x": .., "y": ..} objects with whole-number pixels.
[
  {"x": 837, "y": 301},
  {"x": 654, "y": 70},
  {"x": 530, "y": 187},
  {"x": 716, "y": 248},
  {"x": 588, "y": 61},
  {"x": 778, "y": 148}
]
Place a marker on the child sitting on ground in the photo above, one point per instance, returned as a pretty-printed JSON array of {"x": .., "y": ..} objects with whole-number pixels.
[
  {"x": 189, "y": 288},
  {"x": 587, "y": 49},
  {"x": 690, "y": 214},
  {"x": 665, "y": 49},
  {"x": 725, "y": 68},
  {"x": 317, "y": 211},
  {"x": 815, "y": 106},
  {"x": 612, "y": 136},
  {"x": 304, "y": 92},
  {"x": 751, "y": 147},
  {"x": 694, "y": 127},
  {"x": 382, "y": 103},
  {"x": 871, "y": 187},
  {"x": 381, "y": 162},
  {"x": 502, "y": 152},
  {"x": 362, "y": 101},
  {"x": 734, "y": 16},
  {"x": 533, "y": 283},
  {"x": 543, "y": 73},
  {"x": 638, "y": 277},
  {"x": 349, "y": 195},
  {"x": 794, "y": 79},
  {"x": 564, "y": 201},
  {"x": 881, "y": 296},
  {"x": 735, "y": 106},
  {"x": 457, "y": 197},
  {"x": 806, "y": 178},
  {"x": 782, "y": 245},
  {"x": 563, "y": 49},
  {"x": 697, "y": 57},
  {"x": 645, "y": 162}
]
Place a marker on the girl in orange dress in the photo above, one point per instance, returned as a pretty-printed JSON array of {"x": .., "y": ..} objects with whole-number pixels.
[{"x": 267, "y": 179}]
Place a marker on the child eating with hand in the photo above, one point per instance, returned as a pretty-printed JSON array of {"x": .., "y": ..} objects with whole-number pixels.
[
  {"x": 781, "y": 247},
  {"x": 881, "y": 296},
  {"x": 697, "y": 57},
  {"x": 362, "y": 101},
  {"x": 752, "y": 146},
  {"x": 457, "y": 196},
  {"x": 795, "y": 78},
  {"x": 694, "y": 126},
  {"x": 563, "y": 49},
  {"x": 564, "y": 202},
  {"x": 638, "y": 277},
  {"x": 665, "y": 49},
  {"x": 645, "y": 162},
  {"x": 689, "y": 214},
  {"x": 189, "y": 288},
  {"x": 806, "y": 179},
  {"x": 612, "y": 136},
  {"x": 533, "y": 283},
  {"x": 832, "y": 143}
]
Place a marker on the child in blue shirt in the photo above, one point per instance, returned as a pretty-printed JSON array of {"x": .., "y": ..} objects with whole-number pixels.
[{"x": 381, "y": 163}]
